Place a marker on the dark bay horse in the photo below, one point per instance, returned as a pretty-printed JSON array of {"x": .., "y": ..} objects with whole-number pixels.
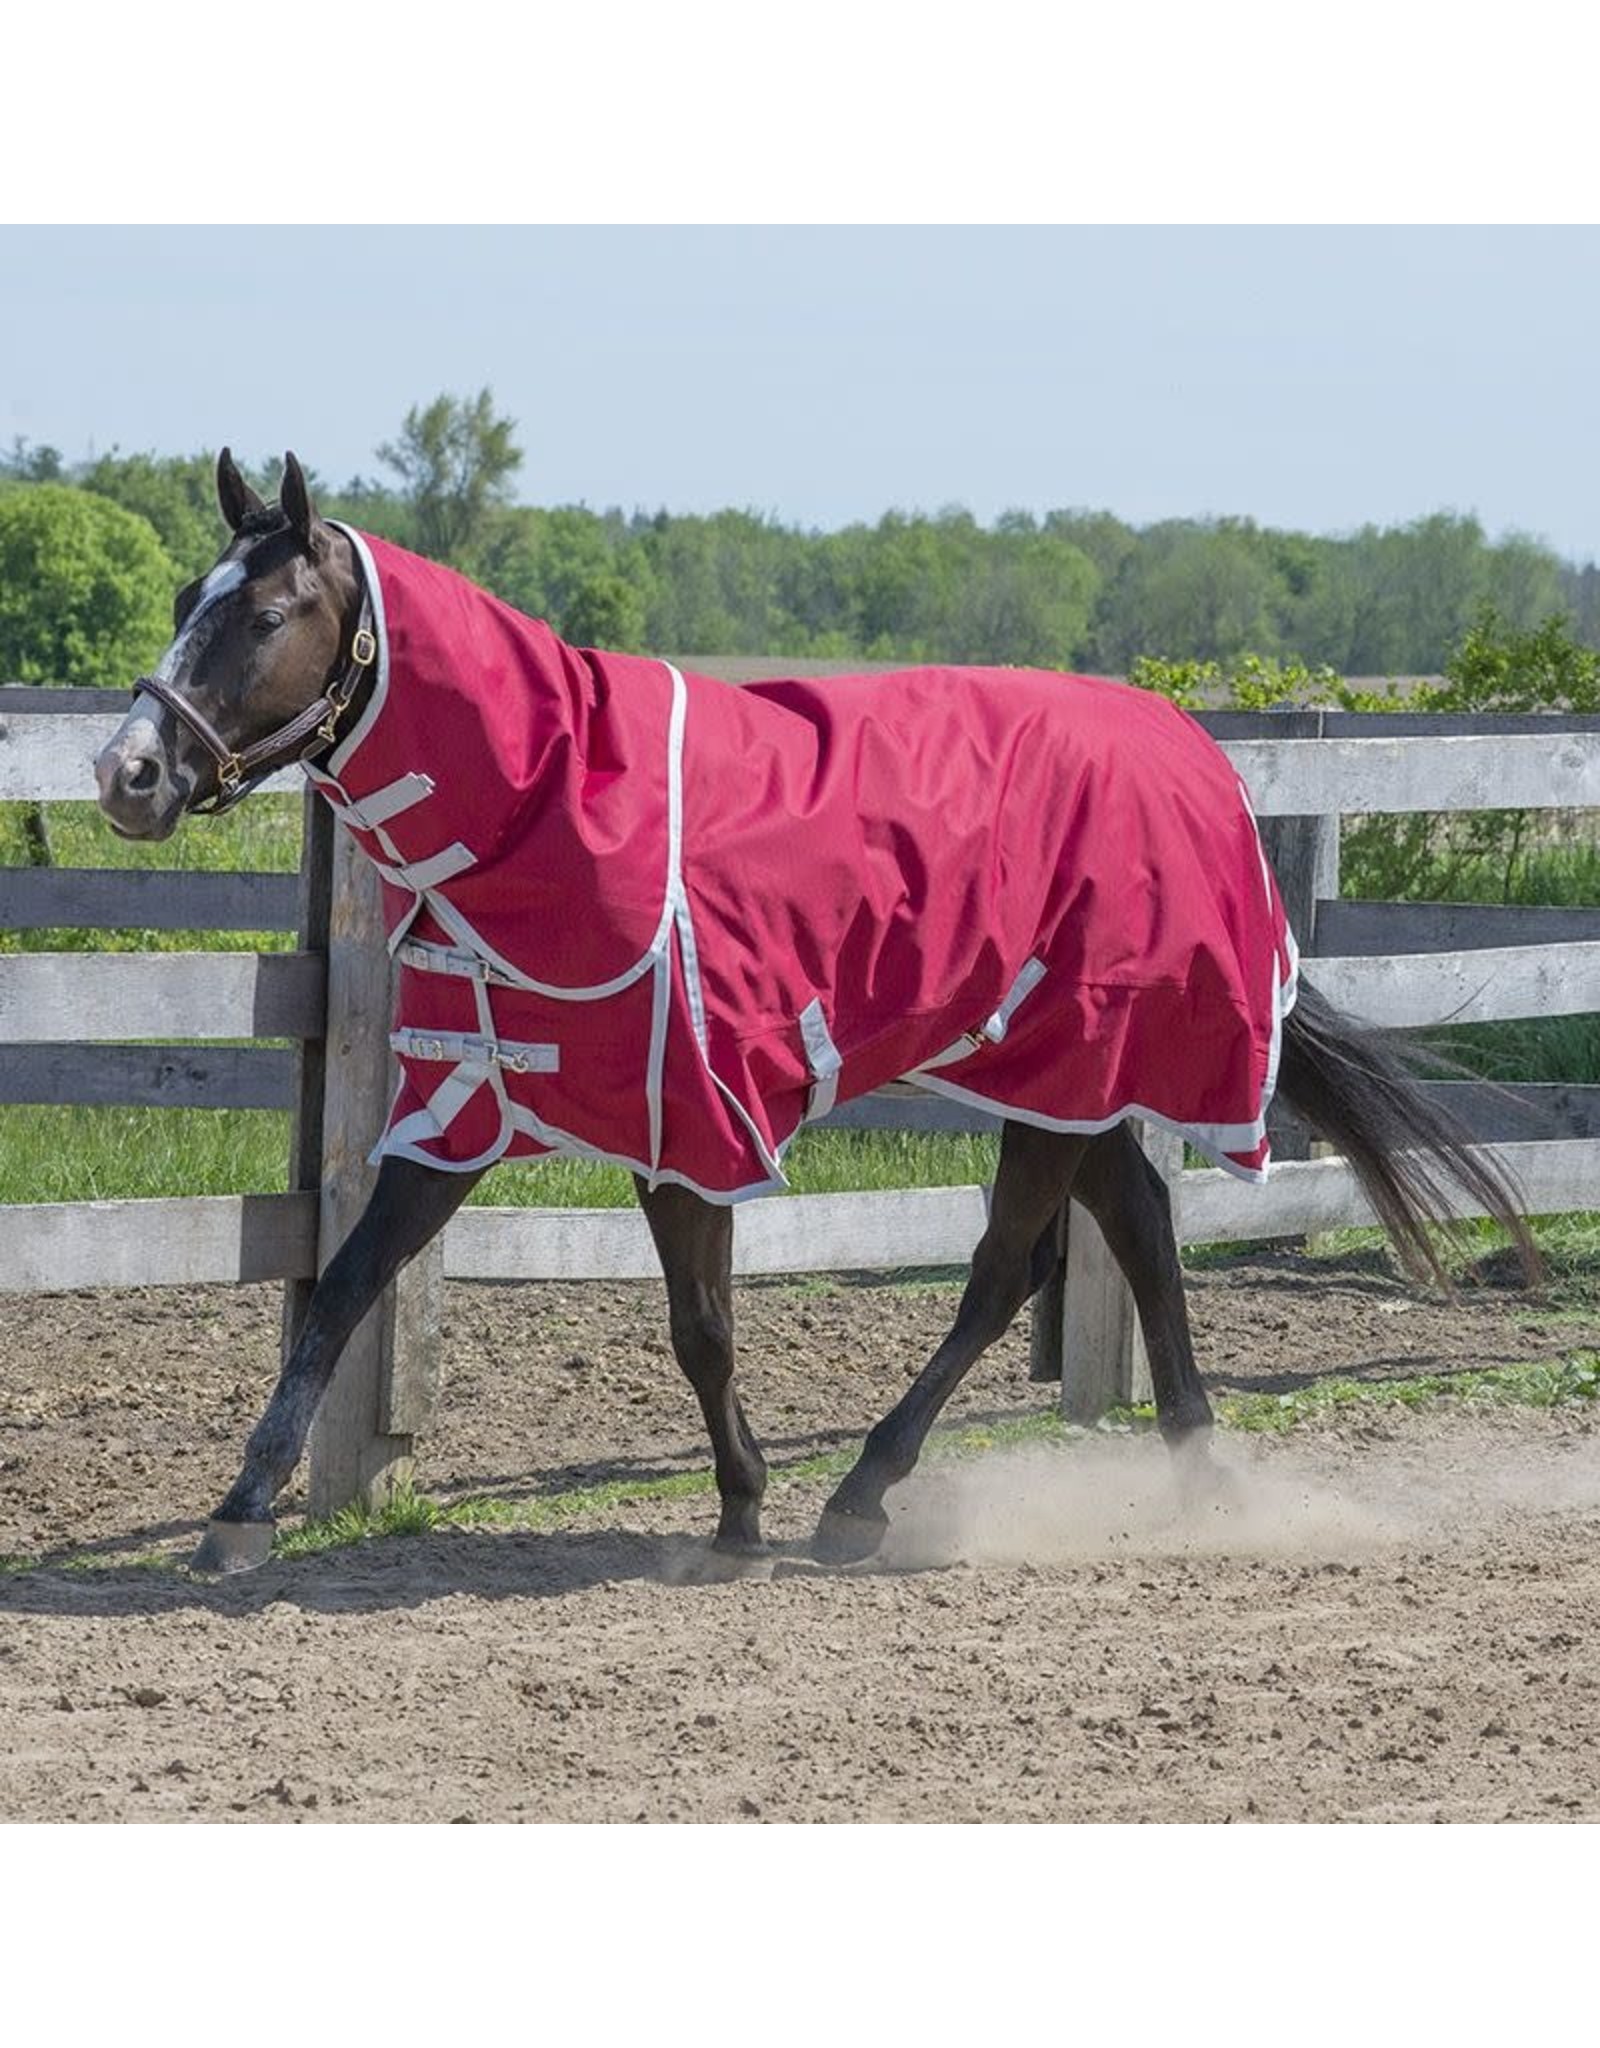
[{"x": 273, "y": 663}]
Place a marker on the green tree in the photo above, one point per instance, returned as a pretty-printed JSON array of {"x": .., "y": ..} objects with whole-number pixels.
[
  {"x": 31, "y": 462},
  {"x": 85, "y": 588},
  {"x": 577, "y": 569},
  {"x": 1100, "y": 535},
  {"x": 1191, "y": 592},
  {"x": 1522, "y": 582},
  {"x": 1417, "y": 587},
  {"x": 455, "y": 458},
  {"x": 1580, "y": 599},
  {"x": 605, "y": 611},
  {"x": 1026, "y": 599},
  {"x": 176, "y": 493}
]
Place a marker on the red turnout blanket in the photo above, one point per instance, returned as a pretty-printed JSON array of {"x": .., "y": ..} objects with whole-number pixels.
[{"x": 649, "y": 917}]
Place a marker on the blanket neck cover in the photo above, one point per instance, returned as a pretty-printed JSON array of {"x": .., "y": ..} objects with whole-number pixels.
[{"x": 652, "y": 918}]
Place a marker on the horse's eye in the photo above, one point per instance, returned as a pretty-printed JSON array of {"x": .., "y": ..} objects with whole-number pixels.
[{"x": 268, "y": 622}]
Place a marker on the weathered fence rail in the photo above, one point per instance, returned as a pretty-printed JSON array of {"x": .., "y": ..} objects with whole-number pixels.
[{"x": 67, "y": 1019}]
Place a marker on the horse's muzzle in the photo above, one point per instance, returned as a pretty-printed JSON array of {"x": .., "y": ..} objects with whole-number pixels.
[{"x": 139, "y": 794}]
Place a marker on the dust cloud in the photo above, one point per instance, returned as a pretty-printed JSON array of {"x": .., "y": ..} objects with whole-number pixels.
[{"x": 1269, "y": 1498}]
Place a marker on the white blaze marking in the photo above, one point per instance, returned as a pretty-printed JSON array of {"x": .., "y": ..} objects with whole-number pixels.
[
  {"x": 226, "y": 577},
  {"x": 145, "y": 711}
]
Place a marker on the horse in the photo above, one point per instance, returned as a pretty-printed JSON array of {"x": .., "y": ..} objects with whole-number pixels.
[{"x": 295, "y": 647}]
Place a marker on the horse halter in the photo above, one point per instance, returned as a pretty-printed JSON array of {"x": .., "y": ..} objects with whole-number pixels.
[{"x": 241, "y": 770}]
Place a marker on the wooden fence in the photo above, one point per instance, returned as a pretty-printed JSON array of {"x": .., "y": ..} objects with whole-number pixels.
[{"x": 70, "y": 1022}]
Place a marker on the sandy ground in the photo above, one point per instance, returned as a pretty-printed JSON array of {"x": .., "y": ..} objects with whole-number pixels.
[{"x": 1393, "y": 1617}]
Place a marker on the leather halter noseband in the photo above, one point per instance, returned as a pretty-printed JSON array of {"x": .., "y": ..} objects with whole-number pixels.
[{"x": 240, "y": 770}]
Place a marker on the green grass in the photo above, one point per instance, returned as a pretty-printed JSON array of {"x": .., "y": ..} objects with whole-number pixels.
[
  {"x": 49, "y": 1153},
  {"x": 262, "y": 835},
  {"x": 1569, "y": 1245},
  {"x": 1536, "y": 1384}
]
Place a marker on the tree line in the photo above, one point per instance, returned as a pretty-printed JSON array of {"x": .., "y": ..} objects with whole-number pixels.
[{"x": 90, "y": 553}]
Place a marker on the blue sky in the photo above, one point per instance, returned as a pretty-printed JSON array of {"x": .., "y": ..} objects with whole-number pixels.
[{"x": 1314, "y": 377}]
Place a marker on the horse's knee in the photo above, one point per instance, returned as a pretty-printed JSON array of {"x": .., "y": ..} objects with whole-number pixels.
[{"x": 702, "y": 1339}]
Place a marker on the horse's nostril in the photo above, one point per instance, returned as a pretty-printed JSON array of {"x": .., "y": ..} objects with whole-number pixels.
[{"x": 141, "y": 775}]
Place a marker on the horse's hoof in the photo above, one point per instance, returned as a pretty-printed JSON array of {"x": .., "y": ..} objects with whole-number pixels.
[
  {"x": 1204, "y": 1486},
  {"x": 229, "y": 1547},
  {"x": 845, "y": 1538}
]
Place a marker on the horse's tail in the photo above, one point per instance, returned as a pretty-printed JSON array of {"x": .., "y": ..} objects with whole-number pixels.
[{"x": 1356, "y": 1089}]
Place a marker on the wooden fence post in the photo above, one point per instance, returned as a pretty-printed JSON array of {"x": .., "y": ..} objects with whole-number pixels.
[
  {"x": 1102, "y": 1351},
  {"x": 384, "y": 1386},
  {"x": 1304, "y": 853},
  {"x": 305, "y": 1139}
]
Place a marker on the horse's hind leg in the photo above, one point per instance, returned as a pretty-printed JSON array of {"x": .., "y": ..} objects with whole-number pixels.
[
  {"x": 409, "y": 1206},
  {"x": 695, "y": 1241},
  {"x": 1013, "y": 1255}
]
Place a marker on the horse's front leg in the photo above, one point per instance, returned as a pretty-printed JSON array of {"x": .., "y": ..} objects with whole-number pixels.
[
  {"x": 695, "y": 1241},
  {"x": 409, "y": 1206}
]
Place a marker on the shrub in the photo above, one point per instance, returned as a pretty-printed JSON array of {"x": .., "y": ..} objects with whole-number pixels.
[{"x": 85, "y": 588}]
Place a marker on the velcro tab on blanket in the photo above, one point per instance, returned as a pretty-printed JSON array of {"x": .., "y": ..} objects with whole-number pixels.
[
  {"x": 822, "y": 1056},
  {"x": 367, "y": 813},
  {"x": 1026, "y": 982}
]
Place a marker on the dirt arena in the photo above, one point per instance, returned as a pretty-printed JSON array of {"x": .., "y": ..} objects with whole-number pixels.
[{"x": 1396, "y": 1619}]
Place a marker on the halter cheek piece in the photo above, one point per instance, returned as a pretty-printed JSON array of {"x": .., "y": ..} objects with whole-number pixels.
[{"x": 240, "y": 770}]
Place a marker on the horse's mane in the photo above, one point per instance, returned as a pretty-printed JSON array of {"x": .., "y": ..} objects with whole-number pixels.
[{"x": 256, "y": 525}]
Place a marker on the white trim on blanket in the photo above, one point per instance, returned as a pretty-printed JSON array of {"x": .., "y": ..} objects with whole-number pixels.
[
  {"x": 689, "y": 960},
  {"x": 1216, "y": 1141},
  {"x": 380, "y": 632},
  {"x": 1284, "y": 994}
]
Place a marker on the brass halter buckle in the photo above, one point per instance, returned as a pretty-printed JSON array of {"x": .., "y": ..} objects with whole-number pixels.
[{"x": 363, "y": 653}]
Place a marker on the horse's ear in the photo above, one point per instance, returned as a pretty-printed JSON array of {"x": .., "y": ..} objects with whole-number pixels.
[
  {"x": 294, "y": 499},
  {"x": 234, "y": 495}
]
